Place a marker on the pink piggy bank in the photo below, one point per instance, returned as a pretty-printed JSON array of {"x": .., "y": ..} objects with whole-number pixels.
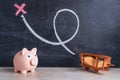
[{"x": 25, "y": 60}]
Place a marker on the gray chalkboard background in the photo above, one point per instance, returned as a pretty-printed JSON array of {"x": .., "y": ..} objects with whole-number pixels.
[{"x": 99, "y": 30}]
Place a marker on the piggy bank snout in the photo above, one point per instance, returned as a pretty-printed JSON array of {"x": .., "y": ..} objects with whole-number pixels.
[{"x": 33, "y": 62}]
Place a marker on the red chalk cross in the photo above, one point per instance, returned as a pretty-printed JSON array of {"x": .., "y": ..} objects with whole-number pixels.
[{"x": 20, "y": 8}]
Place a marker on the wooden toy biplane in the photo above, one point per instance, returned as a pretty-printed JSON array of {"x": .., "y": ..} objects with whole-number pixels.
[{"x": 95, "y": 61}]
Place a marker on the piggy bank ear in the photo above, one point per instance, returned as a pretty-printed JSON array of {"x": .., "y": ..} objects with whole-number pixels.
[
  {"x": 24, "y": 51},
  {"x": 34, "y": 50}
]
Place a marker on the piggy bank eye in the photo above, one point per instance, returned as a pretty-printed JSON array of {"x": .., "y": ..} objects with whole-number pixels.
[
  {"x": 35, "y": 55},
  {"x": 28, "y": 56}
]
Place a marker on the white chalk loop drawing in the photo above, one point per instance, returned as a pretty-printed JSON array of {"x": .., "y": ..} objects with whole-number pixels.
[{"x": 60, "y": 42}]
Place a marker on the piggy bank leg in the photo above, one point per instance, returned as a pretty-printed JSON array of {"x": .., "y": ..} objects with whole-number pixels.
[
  {"x": 15, "y": 70},
  {"x": 33, "y": 70},
  {"x": 23, "y": 71}
]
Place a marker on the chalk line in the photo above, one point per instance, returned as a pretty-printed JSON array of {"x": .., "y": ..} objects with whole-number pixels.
[
  {"x": 58, "y": 38},
  {"x": 56, "y": 34}
]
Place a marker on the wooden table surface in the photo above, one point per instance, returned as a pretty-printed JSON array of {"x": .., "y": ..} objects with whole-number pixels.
[{"x": 59, "y": 73}]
